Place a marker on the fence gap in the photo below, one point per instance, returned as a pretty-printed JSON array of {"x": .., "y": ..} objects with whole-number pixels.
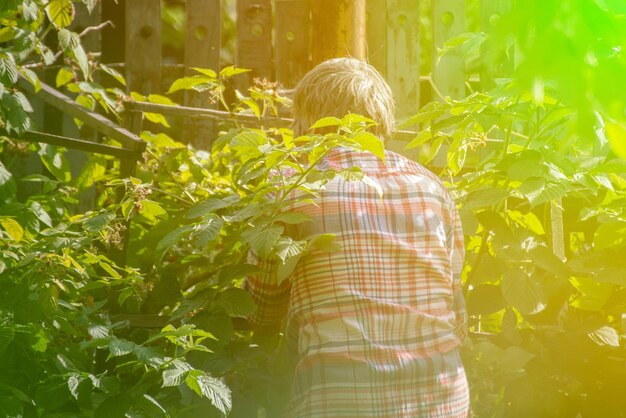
[
  {"x": 293, "y": 25},
  {"x": 202, "y": 49}
]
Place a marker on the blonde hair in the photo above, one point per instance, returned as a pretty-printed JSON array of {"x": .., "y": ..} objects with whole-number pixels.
[{"x": 340, "y": 86}]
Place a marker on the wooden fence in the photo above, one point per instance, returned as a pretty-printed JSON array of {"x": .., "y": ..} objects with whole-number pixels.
[{"x": 281, "y": 39}]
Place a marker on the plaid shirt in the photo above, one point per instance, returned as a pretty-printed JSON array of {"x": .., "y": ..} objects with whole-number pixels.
[{"x": 374, "y": 326}]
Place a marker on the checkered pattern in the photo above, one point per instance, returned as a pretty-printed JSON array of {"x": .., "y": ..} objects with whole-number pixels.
[{"x": 375, "y": 326}]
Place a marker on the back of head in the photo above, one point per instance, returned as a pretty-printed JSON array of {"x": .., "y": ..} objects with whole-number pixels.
[{"x": 340, "y": 86}]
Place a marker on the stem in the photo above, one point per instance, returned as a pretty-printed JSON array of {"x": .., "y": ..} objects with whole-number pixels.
[
  {"x": 435, "y": 88},
  {"x": 172, "y": 195},
  {"x": 507, "y": 139},
  {"x": 189, "y": 195},
  {"x": 303, "y": 175}
]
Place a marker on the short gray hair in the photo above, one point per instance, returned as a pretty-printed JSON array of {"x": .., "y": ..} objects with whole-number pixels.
[{"x": 340, "y": 86}]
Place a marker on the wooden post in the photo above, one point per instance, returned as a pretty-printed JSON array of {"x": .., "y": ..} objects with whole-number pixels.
[
  {"x": 143, "y": 45},
  {"x": 293, "y": 24},
  {"x": 338, "y": 29},
  {"x": 403, "y": 69},
  {"x": 377, "y": 34},
  {"x": 449, "y": 71},
  {"x": 202, "y": 49},
  {"x": 254, "y": 39},
  {"x": 490, "y": 12}
]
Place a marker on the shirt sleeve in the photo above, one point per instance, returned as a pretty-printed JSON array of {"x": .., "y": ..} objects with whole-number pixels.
[
  {"x": 457, "y": 255},
  {"x": 271, "y": 298}
]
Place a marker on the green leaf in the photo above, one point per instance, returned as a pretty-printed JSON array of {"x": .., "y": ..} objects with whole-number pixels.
[
  {"x": 7, "y": 185},
  {"x": 422, "y": 137},
  {"x": 611, "y": 234},
  {"x": 324, "y": 242},
  {"x": 528, "y": 221},
  {"x": 206, "y": 71},
  {"x": 152, "y": 210},
  {"x": 523, "y": 292},
  {"x": 80, "y": 56},
  {"x": 119, "y": 347},
  {"x": 168, "y": 241},
  {"x": 98, "y": 222},
  {"x": 288, "y": 266},
  {"x": 6, "y": 337},
  {"x": 8, "y": 69},
  {"x": 186, "y": 83},
  {"x": 73, "y": 384},
  {"x": 32, "y": 78},
  {"x": 13, "y": 228},
  {"x": 157, "y": 118},
  {"x": 229, "y": 71},
  {"x": 60, "y": 13},
  {"x": 211, "y": 388},
  {"x": 149, "y": 355},
  {"x": 98, "y": 331},
  {"x": 593, "y": 295},
  {"x": 326, "y": 122},
  {"x": 236, "y": 302},
  {"x": 55, "y": 162},
  {"x": 94, "y": 170},
  {"x": 64, "y": 76},
  {"x": 174, "y": 377},
  {"x": 292, "y": 218},
  {"x": 370, "y": 143},
  {"x": 262, "y": 239},
  {"x": 616, "y": 134},
  {"x": 514, "y": 360},
  {"x": 248, "y": 143},
  {"x": 605, "y": 336},
  {"x": 211, "y": 205},
  {"x": 545, "y": 258},
  {"x": 14, "y": 108},
  {"x": 113, "y": 73},
  {"x": 463, "y": 44},
  {"x": 485, "y": 197},
  {"x": 287, "y": 247},
  {"x": 208, "y": 230},
  {"x": 484, "y": 300}
]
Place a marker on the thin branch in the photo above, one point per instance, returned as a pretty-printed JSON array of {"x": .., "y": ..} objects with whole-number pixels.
[
  {"x": 80, "y": 35},
  {"x": 96, "y": 27}
]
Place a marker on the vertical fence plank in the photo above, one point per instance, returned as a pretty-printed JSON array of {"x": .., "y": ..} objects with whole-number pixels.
[
  {"x": 377, "y": 34},
  {"x": 490, "y": 13},
  {"x": 143, "y": 45},
  {"x": 338, "y": 29},
  {"x": 293, "y": 24},
  {"x": 449, "y": 71},
  {"x": 254, "y": 38},
  {"x": 403, "y": 69},
  {"x": 202, "y": 49}
]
